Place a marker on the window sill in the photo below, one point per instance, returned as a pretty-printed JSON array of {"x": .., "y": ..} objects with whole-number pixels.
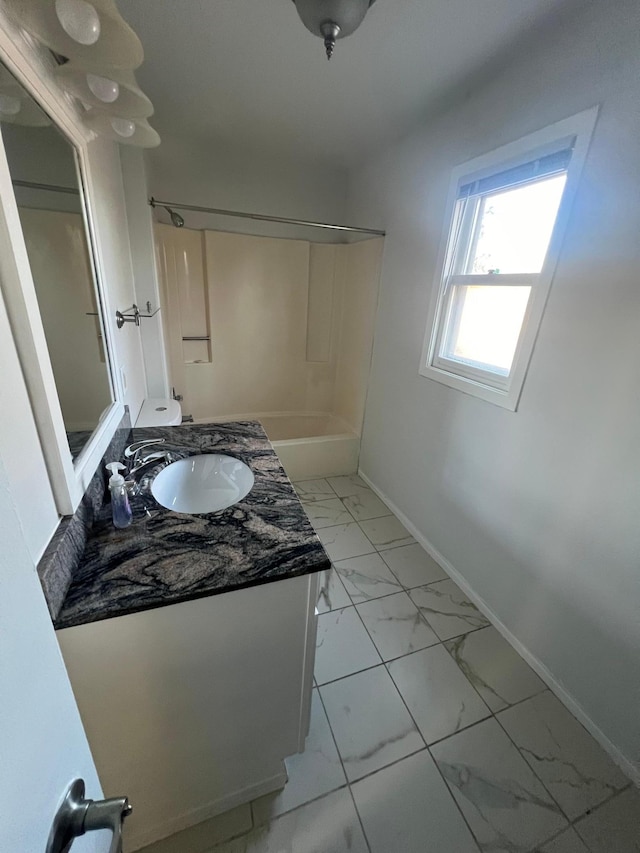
[{"x": 505, "y": 398}]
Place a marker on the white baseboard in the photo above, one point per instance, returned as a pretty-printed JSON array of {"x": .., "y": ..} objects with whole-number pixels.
[
  {"x": 184, "y": 821},
  {"x": 626, "y": 765}
]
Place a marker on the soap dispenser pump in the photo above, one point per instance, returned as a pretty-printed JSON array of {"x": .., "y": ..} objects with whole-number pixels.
[{"x": 120, "y": 507}]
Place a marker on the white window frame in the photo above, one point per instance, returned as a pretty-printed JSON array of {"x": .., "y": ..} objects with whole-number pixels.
[{"x": 487, "y": 385}]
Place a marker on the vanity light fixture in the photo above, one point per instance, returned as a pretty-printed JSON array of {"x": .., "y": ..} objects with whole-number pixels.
[
  {"x": 10, "y": 105},
  {"x": 21, "y": 109},
  {"x": 79, "y": 19},
  {"x": 101, "y": 50},
  {"x": 93, "y": 33},
  {"x": 112, "y": 91},
  {"x": 128, "y": 131},
  {"x": 123, "y": 127},
  {"x": 104, "y": 89},
  {"x": 331, "y": 20}
]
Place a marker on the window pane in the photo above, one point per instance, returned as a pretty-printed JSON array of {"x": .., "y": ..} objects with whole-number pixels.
[
  {"x": 484, "y": 325},
  {"x": 515, "y": 226}
]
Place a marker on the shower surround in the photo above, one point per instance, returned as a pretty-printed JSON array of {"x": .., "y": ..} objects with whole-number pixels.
[{"x": 273, "y": 329}]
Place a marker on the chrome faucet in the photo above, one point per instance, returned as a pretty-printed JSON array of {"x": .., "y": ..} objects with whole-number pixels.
[
  {"x": 134, "y": 449},
  {"x": 141, "y": 459}
]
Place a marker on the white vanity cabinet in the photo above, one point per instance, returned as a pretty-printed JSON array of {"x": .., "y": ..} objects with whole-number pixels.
[{"x": 191, "y": 708}]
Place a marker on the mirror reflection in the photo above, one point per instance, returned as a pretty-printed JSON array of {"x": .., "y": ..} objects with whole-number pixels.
[{"x": 48, "y": 191}]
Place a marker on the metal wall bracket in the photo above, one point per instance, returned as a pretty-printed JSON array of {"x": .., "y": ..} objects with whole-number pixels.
[
  {"x": 134, "y": 315},
  {"x": 131, "y": 315}
]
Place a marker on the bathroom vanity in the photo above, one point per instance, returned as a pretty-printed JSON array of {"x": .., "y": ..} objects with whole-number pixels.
[{"x": 189, "y": 641}]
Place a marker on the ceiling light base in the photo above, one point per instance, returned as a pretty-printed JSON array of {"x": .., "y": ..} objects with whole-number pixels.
[
  {"x": 331, "y": 19},
  {"x": 330, "y": 32}
]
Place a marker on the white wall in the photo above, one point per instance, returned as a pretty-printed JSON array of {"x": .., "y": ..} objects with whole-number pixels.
[
  {"x": 140, "y": 222},
  {"x": 63, "y": 281},
  {"x": 107, "y": 193},
  {"x": 41, "y": 155},
  {"x": 357, "y": 277},
  {"x": 538, "y": 510},
  {"x": 210, "y": 175}
]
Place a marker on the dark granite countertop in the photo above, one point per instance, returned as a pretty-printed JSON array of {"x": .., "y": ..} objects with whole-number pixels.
[{"x": 165, "y": 557}]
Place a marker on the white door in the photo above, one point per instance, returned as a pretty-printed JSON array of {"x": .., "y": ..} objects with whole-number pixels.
[{"x": 42, "y": 743}]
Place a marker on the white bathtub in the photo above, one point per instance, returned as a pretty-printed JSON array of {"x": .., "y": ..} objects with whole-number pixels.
[
  {"x": 308, "y": 444},
  {"x": 313, "y": 445}
]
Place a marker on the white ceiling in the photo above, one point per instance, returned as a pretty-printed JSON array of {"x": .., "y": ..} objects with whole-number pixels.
[{"x": 247, "y": 72}]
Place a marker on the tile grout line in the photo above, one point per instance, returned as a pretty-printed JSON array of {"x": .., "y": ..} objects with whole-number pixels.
[
  {"x": 306, "y": 502},
  {"x": 339, "y": 754},
  {"x": 402, "y": 699},
  {"x": 495, "y": 716},
  {"x": 590, "y": 810},
  {"x": 401, "y": 588},
  {"x": 427, "y": 749},
  {"x": 439, "y": 642},
  {"x": 406, "y": 654},
  {"x": 432, "y": 757},
  {"x": 426, "y": 746},
  {"x": 492, "y": 714}
]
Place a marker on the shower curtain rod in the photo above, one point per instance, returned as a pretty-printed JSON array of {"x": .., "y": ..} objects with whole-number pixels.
[
  {"x": 32, "y": 185},
  {"x": 154, "y": 202}
]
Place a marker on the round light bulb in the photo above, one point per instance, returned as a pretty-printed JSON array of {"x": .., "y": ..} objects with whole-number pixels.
[
  {"x": 123, "y": 127},
  {"x": 10, "y": 105},
  {"x": 79, "y": 20},
  {"x": 104, "y": 89}
]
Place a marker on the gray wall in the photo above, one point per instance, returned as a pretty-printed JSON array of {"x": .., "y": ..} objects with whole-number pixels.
[
  {"x": 539, "y": 510},
  {"x": 41, "y": 155},
  {"x": 207, "y": 175}
]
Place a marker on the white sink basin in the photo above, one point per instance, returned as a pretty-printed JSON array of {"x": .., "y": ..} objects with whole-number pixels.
[{"x": 205, "y": 483}]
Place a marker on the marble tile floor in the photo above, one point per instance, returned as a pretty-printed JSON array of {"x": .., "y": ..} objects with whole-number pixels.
[{"x": 429, "y": 734}]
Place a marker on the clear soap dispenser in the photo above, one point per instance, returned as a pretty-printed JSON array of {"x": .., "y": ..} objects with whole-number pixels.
[{"x": 120, "y": 507}]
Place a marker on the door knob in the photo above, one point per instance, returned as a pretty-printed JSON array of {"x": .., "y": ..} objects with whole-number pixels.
[{"x": 77, "y": 816}]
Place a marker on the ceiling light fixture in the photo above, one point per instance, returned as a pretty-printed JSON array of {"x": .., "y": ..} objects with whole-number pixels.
[{"x": 331, "y": 20}]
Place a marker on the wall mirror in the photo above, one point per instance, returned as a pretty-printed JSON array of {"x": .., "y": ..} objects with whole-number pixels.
[{"x": 49, "y": 192}]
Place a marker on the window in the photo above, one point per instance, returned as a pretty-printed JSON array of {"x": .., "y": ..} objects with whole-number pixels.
[{"x": 508, "y": 210}]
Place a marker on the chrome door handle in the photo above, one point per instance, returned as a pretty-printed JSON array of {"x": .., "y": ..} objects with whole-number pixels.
[{"x": 77, "y": 816}]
